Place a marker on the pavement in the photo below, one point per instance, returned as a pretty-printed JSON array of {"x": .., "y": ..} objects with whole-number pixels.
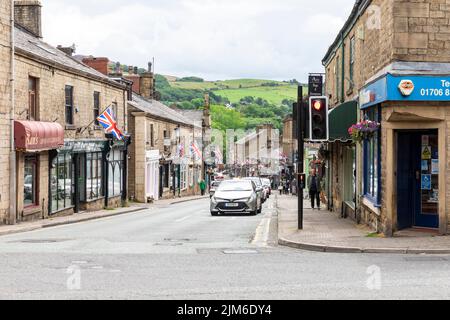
[
  {"x": 179, "y": 251},
  {"x": 325, "y": 231},
  {"x": 93, "y": 215}
]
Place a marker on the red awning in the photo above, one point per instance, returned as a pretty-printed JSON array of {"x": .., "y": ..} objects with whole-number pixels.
[{"x": 38, "y": 136}]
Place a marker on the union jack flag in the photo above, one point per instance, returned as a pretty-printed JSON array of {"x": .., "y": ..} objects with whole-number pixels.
[
  {"x": 195, "y": 151},
  {"x": 106, "y": 119}
]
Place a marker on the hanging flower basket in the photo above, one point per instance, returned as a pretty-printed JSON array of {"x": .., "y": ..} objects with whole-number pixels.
[{"x": 363, "y": 130}]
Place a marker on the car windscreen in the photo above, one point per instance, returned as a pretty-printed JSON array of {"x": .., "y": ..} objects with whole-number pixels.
[{"x": 235, "y": 186}]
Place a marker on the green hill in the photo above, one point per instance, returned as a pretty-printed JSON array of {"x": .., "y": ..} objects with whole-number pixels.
[{"x": 237, "y": 103}]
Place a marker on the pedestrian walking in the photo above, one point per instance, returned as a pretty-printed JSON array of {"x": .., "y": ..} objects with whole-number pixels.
[
  {"x": 294, "y": 187},
  {"x": 314, "y": 187},
  {"x": 203, "y": 187}
]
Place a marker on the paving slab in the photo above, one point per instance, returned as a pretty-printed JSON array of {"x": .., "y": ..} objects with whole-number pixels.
[{"x": 325, "y": 231}]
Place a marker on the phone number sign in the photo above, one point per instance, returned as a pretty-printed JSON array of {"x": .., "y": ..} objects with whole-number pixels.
[{"x": 406, "y": 88}]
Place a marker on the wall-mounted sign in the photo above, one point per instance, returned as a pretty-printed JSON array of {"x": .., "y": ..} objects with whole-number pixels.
[
  {"x": 426, "y": 182},
  {"x": 315, "y": 85},
  {"x": 435, "y": 166},
  {"x": 405, "y": 88},
  {"x": 84, "y": 146}
]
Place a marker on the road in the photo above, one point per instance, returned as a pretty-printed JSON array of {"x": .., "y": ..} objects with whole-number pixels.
[{"x": 180, "y": 252}]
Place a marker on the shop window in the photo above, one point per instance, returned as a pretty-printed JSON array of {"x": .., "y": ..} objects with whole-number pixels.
[
  {"x": 150, "y": 135},
  {"x": 62, "y": 182},
  {"x": 115, "y": 167},
  {"x": 352, "y": 61},
  {"x": 32, "y": 98},
  {"x": 30, "y": 179},
  {"x": 69, "y": 104},
  {"x": 94, "y": 189},
  {"x": 372, "y": 150},
  {"x": 96, "y": 107}
]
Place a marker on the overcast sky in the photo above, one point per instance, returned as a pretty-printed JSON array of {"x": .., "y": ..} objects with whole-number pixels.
[{"x": 214, "y": 39}]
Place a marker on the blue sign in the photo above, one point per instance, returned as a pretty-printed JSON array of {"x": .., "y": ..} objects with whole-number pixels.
[
  {"x": 426, "y": 182},
  {"x": 405, "y": 88}
]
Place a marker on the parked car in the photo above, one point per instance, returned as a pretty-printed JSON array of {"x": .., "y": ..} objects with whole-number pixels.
[
  {"x": 259, "y": 185},
  {"x": 213, "y": 188},
  {"x": 236, "y": 196}
]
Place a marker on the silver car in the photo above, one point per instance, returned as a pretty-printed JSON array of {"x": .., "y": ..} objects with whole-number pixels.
[
  {"x": 236, "y": 196},
  {"x": 259, "y": 186}
]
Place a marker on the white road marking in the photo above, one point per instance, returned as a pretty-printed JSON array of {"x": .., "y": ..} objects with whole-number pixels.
[
  {"x": 262, "y": 232},
  {"x": 182, "y": 219}
]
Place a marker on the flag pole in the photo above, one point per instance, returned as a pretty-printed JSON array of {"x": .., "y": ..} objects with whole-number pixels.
[{"x": 83, "y": 129}]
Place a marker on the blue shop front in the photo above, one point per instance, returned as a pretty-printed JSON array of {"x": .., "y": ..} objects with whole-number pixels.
[{"x": 404, "y": 163}]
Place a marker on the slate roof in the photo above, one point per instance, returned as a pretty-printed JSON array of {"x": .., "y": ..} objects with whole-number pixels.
[
  {"x": 31, "y": 45},
  {"x": 193, "y": 115},
  {"x": 158, "y": 109}
]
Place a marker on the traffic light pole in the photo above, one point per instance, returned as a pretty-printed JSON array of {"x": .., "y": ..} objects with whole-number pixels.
[{"x": 301, "y": 145}]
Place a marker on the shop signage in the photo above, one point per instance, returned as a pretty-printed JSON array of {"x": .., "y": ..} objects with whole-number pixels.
[
  {"x": 405, "y": 88},
  {"x": 152, "y": 155},
  {"x": 83, "y": 146},
  {"x": 34, "y": 136}
]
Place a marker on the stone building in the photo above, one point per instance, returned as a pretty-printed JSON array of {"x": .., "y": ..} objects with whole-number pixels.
[
  {"x": 65, "y": 163},
  {"x": 391, "y": 63},
  {"x": 161, "y": 164},
  {"x": 6, "y": 54}
]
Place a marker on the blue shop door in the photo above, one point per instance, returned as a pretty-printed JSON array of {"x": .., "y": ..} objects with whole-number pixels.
[{"x": 417, "y": 179}]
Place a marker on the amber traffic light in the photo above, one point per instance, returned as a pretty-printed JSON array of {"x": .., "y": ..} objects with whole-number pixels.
[{"x": 318, "y": 118}]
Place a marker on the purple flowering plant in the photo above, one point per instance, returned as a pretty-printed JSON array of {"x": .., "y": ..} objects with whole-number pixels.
[{"x": 363, "y": 130}]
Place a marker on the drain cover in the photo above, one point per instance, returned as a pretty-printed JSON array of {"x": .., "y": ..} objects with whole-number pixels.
[{"x": 243, "y": 251}]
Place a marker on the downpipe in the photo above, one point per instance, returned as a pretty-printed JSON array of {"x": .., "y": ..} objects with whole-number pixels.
[{"x": 12, "y": 155}]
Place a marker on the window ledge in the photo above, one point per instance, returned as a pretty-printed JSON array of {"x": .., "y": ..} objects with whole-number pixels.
[
  {"x": 94, "y": 200},
  {"x": 60, "y": 210},
  {"x": 32, "y": 210},
  {"x": 376, "y": 208},
  {"x": 71, "y": 127}
]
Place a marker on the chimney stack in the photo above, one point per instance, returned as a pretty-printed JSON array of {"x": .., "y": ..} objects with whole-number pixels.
[
  {"x": 147, "y": 83},
  {"x": 99, "y": 64},
  {"x": 27, "y": 14},
  {"x": 67, "y": 50}
]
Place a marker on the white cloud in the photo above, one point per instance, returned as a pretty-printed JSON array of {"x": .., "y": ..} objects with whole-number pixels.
[{"x": 210, "y": 38}]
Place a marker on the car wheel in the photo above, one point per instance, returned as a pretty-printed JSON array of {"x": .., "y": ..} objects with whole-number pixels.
[
  {"x": 260, "y": 210},
  {"x": 214, "y": 214}
]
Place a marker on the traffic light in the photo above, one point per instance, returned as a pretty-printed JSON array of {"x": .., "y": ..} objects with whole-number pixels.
[{"x": 318, "y": 118}]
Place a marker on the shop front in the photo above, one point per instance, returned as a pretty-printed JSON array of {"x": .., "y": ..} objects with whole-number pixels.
[
  {"x": 339, "y": 174},
  {"x": 152, "y": 171},
  {"x": 34, "y": 141},
  {"x": 404, "y": 164},
  {"x": 77, "y": 176},
  {"x": 117, "y": 172}
]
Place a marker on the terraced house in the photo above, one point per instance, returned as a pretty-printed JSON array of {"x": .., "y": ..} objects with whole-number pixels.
[
  {"x": 64, "y": 161},
  {"x": 161, "y": 162},
  {"x": 390, "y": 63}
]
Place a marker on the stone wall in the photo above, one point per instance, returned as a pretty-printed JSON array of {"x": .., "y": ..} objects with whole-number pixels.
[
  {"x": 5, "y": 105},
  {"x": 140, "y": 126},
  {"x": 373, "y": 34},
  {"x": 51, "y": 108},
  {"x": 422, "y": 30}
]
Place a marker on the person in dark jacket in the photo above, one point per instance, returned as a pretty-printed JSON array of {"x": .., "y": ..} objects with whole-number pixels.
[{"x": 314, "y": 187}]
